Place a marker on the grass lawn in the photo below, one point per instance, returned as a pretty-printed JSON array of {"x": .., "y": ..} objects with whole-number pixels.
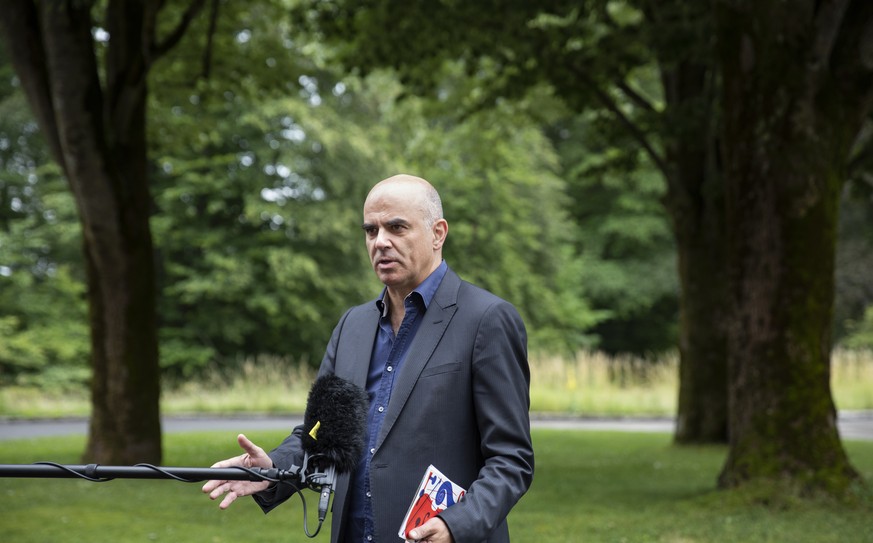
[{"x": 589, "y": 487}]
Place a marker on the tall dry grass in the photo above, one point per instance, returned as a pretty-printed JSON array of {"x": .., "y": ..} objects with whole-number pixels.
[
  {"x": 589, "y": 383},
  {"x": 852, "y": 379},
  {"x": 264, "y": 385},
  {"x": 594, "y": 383}
]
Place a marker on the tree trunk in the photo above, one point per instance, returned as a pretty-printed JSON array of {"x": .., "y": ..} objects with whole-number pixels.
[
  {"x": 98, "y": 138},
  {"x": 788, "y": 125},
  {"x": 702, "y": 410},
  {"x": 695, "y": 202},
  {"x": 783, "y": 419}
]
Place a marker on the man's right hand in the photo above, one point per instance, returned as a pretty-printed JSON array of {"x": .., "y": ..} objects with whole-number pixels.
[{"x": 254, "y": 457}]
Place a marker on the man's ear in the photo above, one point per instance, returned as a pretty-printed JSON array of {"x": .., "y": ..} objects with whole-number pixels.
[{"x": 440, "y": 230}]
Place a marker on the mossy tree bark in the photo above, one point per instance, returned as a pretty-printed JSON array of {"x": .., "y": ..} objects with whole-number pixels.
[{"x": 798, "y": 81}]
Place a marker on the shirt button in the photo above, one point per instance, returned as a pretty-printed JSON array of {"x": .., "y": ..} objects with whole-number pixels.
[
  {"x": 381, "y": 409},
  {"x": 369, "y": 494},
  {"x": 372, "y": 451},
  {"x": 369, "y": 538},
  {"x": 390, "y": 368}
]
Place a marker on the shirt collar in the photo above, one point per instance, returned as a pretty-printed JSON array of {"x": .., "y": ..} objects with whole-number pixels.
[{"x": 424, "y": 291}]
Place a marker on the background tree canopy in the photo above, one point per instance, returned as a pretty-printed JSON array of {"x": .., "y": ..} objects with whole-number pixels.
[
  {"x": 260, "y": 159},
  {"x": 259, "y": 171}
]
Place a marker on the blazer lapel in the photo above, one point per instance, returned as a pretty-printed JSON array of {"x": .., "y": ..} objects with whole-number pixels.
[
  {"x": 353, "y": 363},
  {"x": 437, "y": 317}
]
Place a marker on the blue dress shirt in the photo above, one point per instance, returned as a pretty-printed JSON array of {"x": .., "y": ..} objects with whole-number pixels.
[{"x": 389, "y": 352}]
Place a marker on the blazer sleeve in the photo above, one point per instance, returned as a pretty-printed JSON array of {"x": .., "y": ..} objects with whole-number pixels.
[
  {"x": 290, "y": 451},
  {"x": 501, "y": 397}
]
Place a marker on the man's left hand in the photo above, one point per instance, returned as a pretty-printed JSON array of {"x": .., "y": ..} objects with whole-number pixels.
[{"x": 432, "y": 531}]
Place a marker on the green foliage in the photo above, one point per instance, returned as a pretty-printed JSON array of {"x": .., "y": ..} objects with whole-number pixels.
[
  {"x": 854, "y": 259},
  {"x": 860, "y": 333},
  {"x": 627, "y": 246},
  {"x": 261, "y": 158},
  {"x": 509, "y": 229},
  {"x": 263, "y": 150},
  {"x": 258, "y": 191},
  {"x": 591, "y": 57},
  {"x": 43, "y": 318},
  {"x": 260, "y": 188},
  {"x": 44, "y": 329}
]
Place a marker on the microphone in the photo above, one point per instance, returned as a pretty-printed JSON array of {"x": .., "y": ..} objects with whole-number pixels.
[
  {"x": 334, "y": 433},
  {"x": 335, "y": 422}
]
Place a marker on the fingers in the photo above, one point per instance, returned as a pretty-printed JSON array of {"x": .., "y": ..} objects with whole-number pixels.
[
  {"x": 229, "y": 463},
  {"x": 432, "y": 531},
  {"x": 229, "y": 499},
  {"x": 225, "y": 487},
  {"x": 231, "y": 490},
  {"x": 211, "y": 486},
  {"x": 253, "y": 457},
  {"x": 248, "y": 446},
  {"x": 232, "y": 494}
]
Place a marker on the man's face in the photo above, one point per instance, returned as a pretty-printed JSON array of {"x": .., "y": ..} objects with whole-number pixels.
[{"x": 403, "y": 249}]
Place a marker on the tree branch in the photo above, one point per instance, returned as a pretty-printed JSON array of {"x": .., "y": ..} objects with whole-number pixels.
[
  {"x": 149, "y": 24},
  {"x": 850, "y": 69},
  {"x": 634, "y": 130},
  {"x": 157, "y": 50},
  {"x": 862, "y": 152},
  {"x": 22, "y": 34},
  {"x": 636, "y": 97},
  {"x": 827, "y": 23},
  {"x": 210, "y": 35}
]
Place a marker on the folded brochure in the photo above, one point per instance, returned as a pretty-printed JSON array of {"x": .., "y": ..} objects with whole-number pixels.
[{"x": 435, "y": 493}]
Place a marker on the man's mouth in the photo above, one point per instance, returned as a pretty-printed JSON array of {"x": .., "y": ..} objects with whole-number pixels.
[{"x": 385, "y": 262}]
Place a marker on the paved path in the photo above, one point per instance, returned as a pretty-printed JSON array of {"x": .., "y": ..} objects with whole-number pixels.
[{"x": 853, "y": 425}]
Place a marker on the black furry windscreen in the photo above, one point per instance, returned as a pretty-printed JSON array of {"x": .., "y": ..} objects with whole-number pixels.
[{"x": 334, "y": 424}]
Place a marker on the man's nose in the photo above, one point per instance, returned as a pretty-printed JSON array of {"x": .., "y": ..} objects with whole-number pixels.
[{"x": 382, "y": 239}]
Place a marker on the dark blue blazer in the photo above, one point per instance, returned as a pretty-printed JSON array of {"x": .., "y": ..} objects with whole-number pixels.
[{"x": 460, "y": 402}]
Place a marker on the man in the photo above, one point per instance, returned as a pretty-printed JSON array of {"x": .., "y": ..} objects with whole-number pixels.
[{"x": 445, "y": 367}]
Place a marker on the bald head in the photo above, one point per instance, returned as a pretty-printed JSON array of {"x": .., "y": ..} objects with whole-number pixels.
[{"x": 416, "y": 191}]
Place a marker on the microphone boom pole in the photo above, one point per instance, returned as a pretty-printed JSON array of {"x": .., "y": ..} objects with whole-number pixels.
[{"x": 97, "y": 473}]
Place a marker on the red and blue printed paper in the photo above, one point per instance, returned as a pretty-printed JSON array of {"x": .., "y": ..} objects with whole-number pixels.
[{"x": 435, "y": 493}]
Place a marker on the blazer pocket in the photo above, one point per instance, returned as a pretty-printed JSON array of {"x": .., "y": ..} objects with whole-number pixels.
[{"x": 439, "y": 369}]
